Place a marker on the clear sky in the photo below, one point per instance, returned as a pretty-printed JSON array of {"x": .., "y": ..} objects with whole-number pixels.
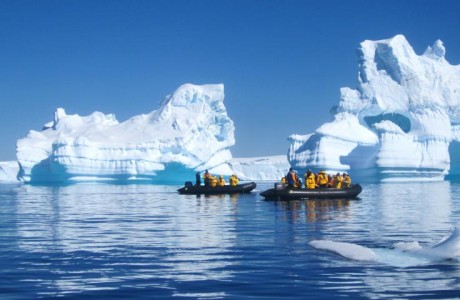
[{"x": 282, "y": 61}]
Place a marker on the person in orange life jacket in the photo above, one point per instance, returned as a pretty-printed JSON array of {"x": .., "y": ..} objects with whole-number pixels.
[
  {"x": 214, "y": 181},
  {"x": 331, "y": 181},
  {"x": 221, "y": 181},
  {"x": 207, "y": 178}
]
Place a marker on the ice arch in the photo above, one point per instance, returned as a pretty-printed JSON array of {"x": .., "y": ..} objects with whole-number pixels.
[{"x": 402, "y": 121}]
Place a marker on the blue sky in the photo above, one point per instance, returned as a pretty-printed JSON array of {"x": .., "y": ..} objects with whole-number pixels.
[{"x": 282, "y": 62}]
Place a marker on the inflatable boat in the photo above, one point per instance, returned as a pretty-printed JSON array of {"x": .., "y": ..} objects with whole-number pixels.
[
  {"x": 282, "y": 192},
  {"x": 191, "y": 189}
]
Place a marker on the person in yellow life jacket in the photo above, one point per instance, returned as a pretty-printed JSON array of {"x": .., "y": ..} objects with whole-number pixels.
[
  {"x": 214, "y": 181},
  {"x": 346, "y": 183},
  {"x": 337, "y": 182},
  {"x": 310, "y": 182},
  {"x": 221, "y": 181},
  {"x": 234, "y": 180},
  {"x": 283, "y": 180},
  {"x": 207, "y": 178},
  {"x": 322, "y": 179}
]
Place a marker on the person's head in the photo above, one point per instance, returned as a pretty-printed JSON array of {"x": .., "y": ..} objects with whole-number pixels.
[{"x": 290, "y": 169}]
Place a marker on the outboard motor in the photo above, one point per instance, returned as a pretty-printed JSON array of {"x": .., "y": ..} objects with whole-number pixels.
[
  {"x": 188, "y": 184},
  {"x": 278, "y": 186}
]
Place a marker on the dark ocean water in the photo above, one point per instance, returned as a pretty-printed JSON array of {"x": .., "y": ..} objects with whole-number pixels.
[{"x": 98, "y": 241}]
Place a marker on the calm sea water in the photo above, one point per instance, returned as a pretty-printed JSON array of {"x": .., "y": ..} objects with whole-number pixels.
[{"x": 146, "y": 241}]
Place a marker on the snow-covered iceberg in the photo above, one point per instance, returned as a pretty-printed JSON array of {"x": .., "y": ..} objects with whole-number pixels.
[
  {"x": 402, "y": 122},
  {"x": 190, "y": 131}
]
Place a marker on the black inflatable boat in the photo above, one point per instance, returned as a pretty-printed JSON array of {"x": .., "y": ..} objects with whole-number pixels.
[
  {"x": 281, "y": 192},
  {"x": 191, "y": 189}
]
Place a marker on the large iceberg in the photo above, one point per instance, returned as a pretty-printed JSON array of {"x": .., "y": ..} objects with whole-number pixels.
[
  {"x": 402, "y": 122},
  {"x": 190, "y": 132}
]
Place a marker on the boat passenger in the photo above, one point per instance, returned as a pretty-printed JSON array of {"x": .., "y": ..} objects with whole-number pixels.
[
  {"x": 337, "y": 182},
  {"x": 221, "y": 181},
  {"x": 346, "y": 183},
  {"x": 310, "y": 182},
  {"x": 214, "y": 181},
  {"x": 322, "y": 179},
  {"x": 331, "y": 181},
  {"x": 283, "y": 180},
  {"x": 234, "y": 180},
  {"x": 207, "y": 178},
  {"x": 293, "y": 180},
  {"x": 198, "y": 179}
]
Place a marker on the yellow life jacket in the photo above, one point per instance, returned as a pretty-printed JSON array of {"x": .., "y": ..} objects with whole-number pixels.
[
  {"x": 233, "y": 180},
  {"x": 310, "y": 181},
  {"x": 346, "y": 181},
  {"x": 337, "y": 182},
  {"x": 322, "y": 178}
]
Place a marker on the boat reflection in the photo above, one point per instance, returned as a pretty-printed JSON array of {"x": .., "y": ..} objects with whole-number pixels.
[{"x": 316, "y": 209}]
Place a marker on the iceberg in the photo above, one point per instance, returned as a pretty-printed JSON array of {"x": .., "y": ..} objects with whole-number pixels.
[
  {"x": 403, "y": 254},
  {"x": 267, "y": 168},
  {"x": 401, "y": 122},
  {"x": 190, "y": 132},
  {"x": 8, "y": 171}
]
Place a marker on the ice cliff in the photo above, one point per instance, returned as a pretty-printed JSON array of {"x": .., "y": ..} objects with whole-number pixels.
[
  {"x": 401, "y": 122},
  {"x": 8, "y": 171},
  {"x": 190, "y": 131}
]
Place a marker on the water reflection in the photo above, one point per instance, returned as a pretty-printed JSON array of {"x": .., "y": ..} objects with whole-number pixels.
[
  {"x": 149, "y": 232},
  {"x": 147, "y": 241},
  {"x": 315, "y": 209},
  {"x": 406, "y": 209},
  {"x": 390, "y": 213}
]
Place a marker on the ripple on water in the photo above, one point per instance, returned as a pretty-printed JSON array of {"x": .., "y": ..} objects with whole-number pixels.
[{"x": 147, "y": 241}]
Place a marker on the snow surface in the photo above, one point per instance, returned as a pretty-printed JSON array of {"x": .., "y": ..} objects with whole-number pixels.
[
  {"x": 260, "y": 168},
  {"x": 400, "y": 123}
]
